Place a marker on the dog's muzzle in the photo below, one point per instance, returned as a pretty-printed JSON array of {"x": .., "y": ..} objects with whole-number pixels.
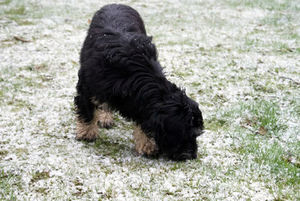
[{"x": 184, "y": 156}]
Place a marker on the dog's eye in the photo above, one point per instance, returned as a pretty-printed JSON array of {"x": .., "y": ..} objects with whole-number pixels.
[
  {"x": 192, "y": 121},
  {"x": 195, "y": 121}
]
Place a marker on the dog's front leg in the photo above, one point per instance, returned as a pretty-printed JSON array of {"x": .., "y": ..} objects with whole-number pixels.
[
  {"x": 88, "y": 131},
  {"x": 143, "y": 144},
  {"x": 105, "y": 116},
  {"x": 87, "y": 119}
]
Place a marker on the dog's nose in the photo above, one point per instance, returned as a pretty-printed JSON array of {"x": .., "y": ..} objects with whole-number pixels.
[{"x": 185, "y": 156}]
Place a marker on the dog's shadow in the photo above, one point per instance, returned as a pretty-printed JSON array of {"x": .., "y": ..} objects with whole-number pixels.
[
  {"x": 107, "y": 144},
  {"x": 117, "y": 143}
]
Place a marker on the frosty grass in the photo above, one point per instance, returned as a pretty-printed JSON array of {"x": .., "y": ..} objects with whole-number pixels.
[{"x": 240, "y": 60}]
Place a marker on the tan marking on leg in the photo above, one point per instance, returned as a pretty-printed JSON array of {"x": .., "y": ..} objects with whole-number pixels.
[
  {"x": 143, "y": 144},
  {"x": 88, "y": 131},
  {"x": 105, "y": 116}
]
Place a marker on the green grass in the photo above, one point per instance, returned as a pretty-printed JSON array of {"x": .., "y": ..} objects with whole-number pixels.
[
  {"x": 264, "y": 114},
  {"x": 274, "y": 156},
  {"x": 259, "y": 134},
  {"x": 18, "y": 12},
  {"x": 272, "y": 5},
  {"x": 4, "y": 2},
  {"x": 6, "y": 186},
  {"x": 29, "y": 12},
  {"x": 8, "y": 92},
  {"x": 280, "y": 17},
  {"x": 220, "y": 122},
  {"x": 108, "y": 148},
  {"x": 40, "y": 176}
]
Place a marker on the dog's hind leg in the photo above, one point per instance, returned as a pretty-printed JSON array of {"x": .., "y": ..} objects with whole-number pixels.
[
  {"x": 144, "y": 144},
  {"x": 87, "y": 119},
  {"x": 105, "y": 116}
]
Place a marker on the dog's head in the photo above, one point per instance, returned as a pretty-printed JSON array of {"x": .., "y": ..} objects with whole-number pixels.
[{"x": 179, "y": 123}]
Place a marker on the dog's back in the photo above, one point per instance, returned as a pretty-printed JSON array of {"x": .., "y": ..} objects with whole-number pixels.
[
  {"x": 112, "y": 19},
  {"x": 118, "y": 17},
  {"x": 115, "y": 52}
]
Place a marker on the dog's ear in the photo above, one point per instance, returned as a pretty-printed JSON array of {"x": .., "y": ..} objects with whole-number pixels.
[
  {"x": 143, "y": 45},
  {"x": 111, "y": 45},
  {"x": 154, "y": 123}
]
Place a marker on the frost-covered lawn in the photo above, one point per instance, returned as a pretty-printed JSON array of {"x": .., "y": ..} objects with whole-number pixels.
[{"x": 239, "y": 61}]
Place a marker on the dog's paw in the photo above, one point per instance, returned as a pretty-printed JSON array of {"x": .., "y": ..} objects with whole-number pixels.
[
  {"x": 143, "y": 144},
  {"x": 148, "y": 149},
  {"x": 105, "y": 120},
  {"x": 106, "y": 124},
  {"x": 87, "y": 138},
  {"x": 86, "y": 132}
]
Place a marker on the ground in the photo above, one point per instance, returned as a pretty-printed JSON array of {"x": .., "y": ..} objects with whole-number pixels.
[{"x": 238, "y": 59}]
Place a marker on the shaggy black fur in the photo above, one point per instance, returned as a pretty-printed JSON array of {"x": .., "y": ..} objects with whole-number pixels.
[{"x": 119, "y": 67}]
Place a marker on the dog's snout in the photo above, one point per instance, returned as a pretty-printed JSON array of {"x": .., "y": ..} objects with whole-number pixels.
[{"x": 185, "y": 156}]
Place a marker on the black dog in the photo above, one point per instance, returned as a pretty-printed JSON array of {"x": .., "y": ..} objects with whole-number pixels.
[{"x": 119, "y": 71}]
